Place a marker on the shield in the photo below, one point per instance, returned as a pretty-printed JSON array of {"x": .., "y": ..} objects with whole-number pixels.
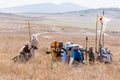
[{"x": 54, "y": 47}]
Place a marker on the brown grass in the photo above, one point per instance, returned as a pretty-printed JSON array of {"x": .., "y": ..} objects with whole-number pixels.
[{"x": 42, "y": 68}]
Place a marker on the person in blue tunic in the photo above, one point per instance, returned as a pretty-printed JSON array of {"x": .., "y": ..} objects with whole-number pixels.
[
  {"x": 100, "y": 52},
  {"x": 72, "y": 55},
  {"x": 109, "y": 58},
  {"x": 78, "y": 55}
]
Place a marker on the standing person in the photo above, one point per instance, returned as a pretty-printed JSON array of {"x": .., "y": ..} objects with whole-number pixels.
[
  {"x": 91, "y": 55},
  {"x": 34, "y": 43}
]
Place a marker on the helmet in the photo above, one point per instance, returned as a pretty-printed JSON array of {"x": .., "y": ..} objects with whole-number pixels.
[
  {"x": 90, "y": 48},
  {"x": 27, "y": 43},
  {"x": 34, "y": 37}
]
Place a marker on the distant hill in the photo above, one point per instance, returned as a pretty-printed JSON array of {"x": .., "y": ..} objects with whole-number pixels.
[
  {"x": 110, "y": 12},
  {"x": 90, "y": 13},
  {"x": 45, "y": 8}
]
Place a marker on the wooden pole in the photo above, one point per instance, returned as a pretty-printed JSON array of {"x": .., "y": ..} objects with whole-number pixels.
[
  {"x": 86, "y": 47},
  {"x": 29, "y": 32},
  {"x": 96, "y": 34},
  {"x": 100, "y": 44},
  {"x": 103, "y": 37}
]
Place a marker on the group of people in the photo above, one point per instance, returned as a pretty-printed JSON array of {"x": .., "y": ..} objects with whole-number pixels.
[
  {"x": 27, "y": 51},
  {"x": 68, "y": 53},
  {"x": 71, "y": 53}
]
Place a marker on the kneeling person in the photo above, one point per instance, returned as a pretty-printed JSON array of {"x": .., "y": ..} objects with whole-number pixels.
[
  {"x": 25, "y": 51},
  {"x": 91, "y": 55}
]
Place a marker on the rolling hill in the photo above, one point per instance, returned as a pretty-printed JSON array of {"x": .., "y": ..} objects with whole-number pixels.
[{"x": 44, "y": 8}]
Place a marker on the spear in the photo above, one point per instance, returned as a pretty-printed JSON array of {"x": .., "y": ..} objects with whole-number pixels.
[
  {"x": 86, "y": 47},
  {"x": 96, "y": 34},
  {"x": 29, "y": 32},
  {"x": 100, "y": 36},
  {"x": 103, "y": 33}
]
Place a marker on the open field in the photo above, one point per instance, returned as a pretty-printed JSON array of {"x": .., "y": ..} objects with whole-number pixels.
[
  {"x": 75, "y": 20},
  {"x": 67, "y": 19},
  {"x": 14, "y": 33}
]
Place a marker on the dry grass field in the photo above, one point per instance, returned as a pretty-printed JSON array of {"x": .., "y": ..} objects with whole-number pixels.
[{"x": 41, "y": 67}]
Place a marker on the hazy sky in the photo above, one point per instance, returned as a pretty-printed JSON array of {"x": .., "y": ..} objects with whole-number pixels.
[{"x": 86, "y": 3}]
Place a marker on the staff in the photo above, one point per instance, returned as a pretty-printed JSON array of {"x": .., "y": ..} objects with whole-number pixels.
[
  {"x": 101, "y": 43},
  {"x": 86, "y": 47},
  {"x": 96, "y": 34},
  {"x": 29, "y": 31},
  {"x": 103, "y": 37}
]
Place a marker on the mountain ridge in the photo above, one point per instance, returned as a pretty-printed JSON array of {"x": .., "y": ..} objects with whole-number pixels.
[{"x": 44, "y": 8}]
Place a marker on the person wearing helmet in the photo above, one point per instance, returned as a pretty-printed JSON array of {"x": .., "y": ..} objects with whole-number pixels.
[
  {"x": 34, "y": 41},
  {"x": 109, "y": 57},
  {"x": 67, "y": 45},
  {"x": 91, "y": 55},
  {"x": 34, "y": 44},
  {"x": 25, "y": 51}
]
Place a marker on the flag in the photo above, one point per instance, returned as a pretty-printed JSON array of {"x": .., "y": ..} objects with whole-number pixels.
[
  {"x": 101, "y": 20},
  {"x": 97, "y": 20},
  {"x": 104, "y": 22}
]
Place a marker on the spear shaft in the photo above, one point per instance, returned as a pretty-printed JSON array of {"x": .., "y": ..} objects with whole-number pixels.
[
  {"x": 103, "y": 36},
  {"x": 96, "y": 34},
  {"x": 29, "y": 31},
  {"x": 86, "y": 47}
]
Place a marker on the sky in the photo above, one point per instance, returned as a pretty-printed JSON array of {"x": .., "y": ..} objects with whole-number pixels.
[{"x": 86, "y": 3}]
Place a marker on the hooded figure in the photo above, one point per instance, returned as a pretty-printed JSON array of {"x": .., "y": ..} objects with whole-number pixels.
[
  {"x": 105, "y": 52},
  {"x": 109, "y": 57},
  {"x": 67, "y": 45},
  {"x": 34, "y": 43},
  {"x": 25, "y": 51},
  {"x": 91, "y": 55},
  {"x": 100, "y": 54}
]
